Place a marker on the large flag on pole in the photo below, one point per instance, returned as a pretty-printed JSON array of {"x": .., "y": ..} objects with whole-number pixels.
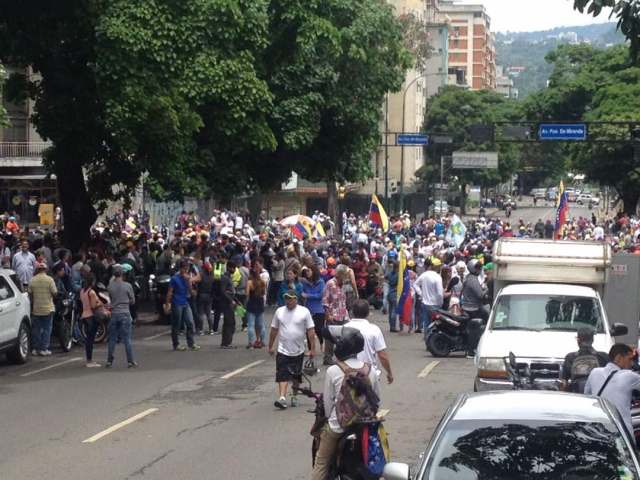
[
  {"x": 456, "y": 232},
  {"x": 405, "y": 300},
  {"x": 562, "y": 212},
  {"x": 377, "y": 215}
]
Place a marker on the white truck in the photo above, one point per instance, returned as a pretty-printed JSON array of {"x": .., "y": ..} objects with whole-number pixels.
[{"x": 545, "y": 291}]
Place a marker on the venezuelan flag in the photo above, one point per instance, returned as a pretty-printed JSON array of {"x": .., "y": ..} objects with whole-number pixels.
[
  {"x": 302, "y": 229},
  {"x": 405, "y": 300},
  {"x": 377, "y": 215},
  {"x": 562, "y": 211}
]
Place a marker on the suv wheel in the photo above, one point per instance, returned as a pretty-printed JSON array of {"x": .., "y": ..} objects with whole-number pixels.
[{"x": 20, "y": 352}]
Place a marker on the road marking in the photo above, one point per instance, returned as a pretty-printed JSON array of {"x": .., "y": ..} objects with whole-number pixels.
[
  {"x": 70, "y": 360},
  {"x": 240, "y": 370},
  {"x": 157, "y": 335},
  {"x": 120, "y": 425},
  {"x": 427, "y": 370}
]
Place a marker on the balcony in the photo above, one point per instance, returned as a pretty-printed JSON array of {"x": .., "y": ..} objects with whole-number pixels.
[{"x": 22, "y": 154}]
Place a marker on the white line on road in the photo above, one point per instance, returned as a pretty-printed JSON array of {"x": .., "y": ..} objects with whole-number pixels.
[
  {"x": 157, "y": 335},
  {"x": 120, "y": 425},
  {"x": 70, "y": 360},
  {"x": 240, "y": 370},
  {"x": 427, "y": 370}
]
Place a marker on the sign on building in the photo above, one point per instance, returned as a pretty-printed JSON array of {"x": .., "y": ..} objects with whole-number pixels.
[{"x": 474, "y": 160}]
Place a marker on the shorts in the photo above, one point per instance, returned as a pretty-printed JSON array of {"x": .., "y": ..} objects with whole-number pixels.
[{"x": 285, "y": 365}]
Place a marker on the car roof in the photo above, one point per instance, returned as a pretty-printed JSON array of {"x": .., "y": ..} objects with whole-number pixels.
[
  {"x": 548, "y": 289},
  {"x": 531, "y": 405}
]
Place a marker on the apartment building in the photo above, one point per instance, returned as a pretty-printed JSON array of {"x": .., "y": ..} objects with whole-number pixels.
[
  {"x": 24, "y": 184},
  {"x": 472, "y": 54}
]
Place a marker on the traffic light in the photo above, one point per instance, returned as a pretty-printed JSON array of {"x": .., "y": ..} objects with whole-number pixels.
[{"x": 342, "y": 191}]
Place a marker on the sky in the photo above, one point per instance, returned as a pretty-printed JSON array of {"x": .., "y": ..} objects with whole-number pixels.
[{"x": 533, "y": 15}]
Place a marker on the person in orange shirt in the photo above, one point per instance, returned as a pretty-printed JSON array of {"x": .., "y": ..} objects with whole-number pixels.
[{"x": 12, "y": 225}]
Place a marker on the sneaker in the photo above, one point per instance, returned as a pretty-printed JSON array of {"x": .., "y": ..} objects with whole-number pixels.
[
  {"x": 281, "y": 403},
  {"x": 35, "y": 353},
  {"x": 45, "y": 353},
  {"x": 108, "y": 365},
  {"x": 211, "y": 332},
  {"x": 201, "y": 333},
  {"x": 244, "y": 329},
  {"x": 93, "y": 365},
  {"x": 251, "y": 347},
  {"x": 194, "y": 348},
  {"x": 132, "y": 365},
  {"x": 180, "y": 348},
  {"x": 294, "y": 401}
]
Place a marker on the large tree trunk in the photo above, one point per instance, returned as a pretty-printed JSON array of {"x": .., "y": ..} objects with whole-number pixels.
[
  {"x": 630, "y": 197},
  {"x": 332, "y": 205},
  {"x": 77, "y": 210}
]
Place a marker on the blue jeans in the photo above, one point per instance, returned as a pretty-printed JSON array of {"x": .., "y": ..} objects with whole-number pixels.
[
  {"x": 41, "y": 331},
  {"x": 392, "y": 303},
  {"x": 181, "y": 315},
  {"x": 425, "y": 316},
  {"x": 256, "y": 321},
  {"x": 120, "y": 327}
]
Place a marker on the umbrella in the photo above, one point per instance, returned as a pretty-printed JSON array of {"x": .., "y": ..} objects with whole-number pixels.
[{"x": 293, "y": 220}]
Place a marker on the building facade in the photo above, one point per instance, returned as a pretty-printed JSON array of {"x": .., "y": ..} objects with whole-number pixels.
[
  {"x": 24, "y": 184},
  {"x": 472, "y": 53}
]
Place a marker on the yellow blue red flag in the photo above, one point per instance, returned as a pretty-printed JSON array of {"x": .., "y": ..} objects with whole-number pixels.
[{"x": 377, "y": 215}]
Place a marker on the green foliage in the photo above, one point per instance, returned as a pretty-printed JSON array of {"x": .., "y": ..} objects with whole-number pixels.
[
  {"x": 454, "y": 110},
  {"x": 626, "y": 11},
  {"x": 416, "y": 39}
]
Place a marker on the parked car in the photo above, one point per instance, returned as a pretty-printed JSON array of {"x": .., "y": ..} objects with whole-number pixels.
[
  {"x": 15, "y": 323},
  {"x": 584, "y": 198},
  {"x": 526, "y": 434}
]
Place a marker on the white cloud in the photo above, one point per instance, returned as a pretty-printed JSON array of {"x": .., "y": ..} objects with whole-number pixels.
[{"x": 533, "y": 15}]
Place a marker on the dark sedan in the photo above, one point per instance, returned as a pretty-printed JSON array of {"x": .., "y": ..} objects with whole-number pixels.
[{"x": 526, "y": 435}]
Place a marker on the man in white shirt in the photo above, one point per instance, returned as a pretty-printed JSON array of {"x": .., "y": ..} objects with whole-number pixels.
[
  {"x": 598, "y": 233},
  {"x": 24, "y": 264},
  {"x": 291, "y": 325},
  {"x": 347, "y": 349},
  {"x": 429, "y": 289},
  {"x": 616, "y": 382},
  {"x": 375, "y": 348}
]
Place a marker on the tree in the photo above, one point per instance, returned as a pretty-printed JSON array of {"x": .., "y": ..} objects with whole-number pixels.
[
  {"x": 596, "y": 85},
  {"x": 125, "y": 86},
  {"x": 3, "y": 111},
  {"x": 454, "y": 110},
  {"x": 628, "y": 14}
]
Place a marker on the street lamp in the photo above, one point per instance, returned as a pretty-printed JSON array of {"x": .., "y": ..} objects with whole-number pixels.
[{"x": 404, "y": 104}]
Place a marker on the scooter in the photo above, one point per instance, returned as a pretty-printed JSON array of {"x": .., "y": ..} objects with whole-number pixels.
[
  {"x": 348, "y": 464},
  {"x": 448, "y": 332}
]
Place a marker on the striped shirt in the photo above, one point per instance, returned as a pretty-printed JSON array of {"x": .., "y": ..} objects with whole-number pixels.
[{"x": 42, "y": 290}]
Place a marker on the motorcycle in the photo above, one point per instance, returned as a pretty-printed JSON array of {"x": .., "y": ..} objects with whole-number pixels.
[
  {"x": 158, "y": 288},
  {"x": 448, "y": 332},
  {"x": 103, "y": 323},
  {"x": 64, "y": 320},
  {"x": 522, "y": 378},
  {"x": 348, "y": 464}
]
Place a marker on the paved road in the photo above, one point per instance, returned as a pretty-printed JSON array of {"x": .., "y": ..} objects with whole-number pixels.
[
  {"x": 202, "y": 425},
  {"x": 545, "y": 211}
]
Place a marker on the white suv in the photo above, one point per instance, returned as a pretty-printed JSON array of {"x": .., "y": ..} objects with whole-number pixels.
[{"x": 15, "y": 323}]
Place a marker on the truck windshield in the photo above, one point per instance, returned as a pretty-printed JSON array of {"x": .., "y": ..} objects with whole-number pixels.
[{"x": 547, "y": 312}]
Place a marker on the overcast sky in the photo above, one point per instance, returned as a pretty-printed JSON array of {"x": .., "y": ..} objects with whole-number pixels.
[{"x": 532, "y": 15}]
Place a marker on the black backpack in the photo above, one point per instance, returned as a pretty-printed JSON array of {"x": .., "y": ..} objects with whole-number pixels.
[{"x": 580, "y": 370}]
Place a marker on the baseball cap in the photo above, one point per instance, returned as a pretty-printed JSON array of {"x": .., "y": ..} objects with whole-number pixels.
[{"x": 290, "y": 294}]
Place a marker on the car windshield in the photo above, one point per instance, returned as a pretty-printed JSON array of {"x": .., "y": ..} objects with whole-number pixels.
[
  {"x": 536, "y": 450},
  {"x": 546, "y": 312}
]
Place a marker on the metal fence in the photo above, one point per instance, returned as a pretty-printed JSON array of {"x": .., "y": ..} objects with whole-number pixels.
[{"x": 23, "y": 149}]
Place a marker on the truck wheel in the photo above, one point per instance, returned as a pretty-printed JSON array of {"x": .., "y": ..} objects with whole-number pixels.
[
  {"x": 20, "y": 352},
  {"x": 438, "y": 345}
]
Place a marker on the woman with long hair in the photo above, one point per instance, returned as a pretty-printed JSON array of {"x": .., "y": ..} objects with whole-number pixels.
[
  {"x": 312, "y": 291},
  {"x": 92, "y": 308},
  {"x": 256, "y": 289}
]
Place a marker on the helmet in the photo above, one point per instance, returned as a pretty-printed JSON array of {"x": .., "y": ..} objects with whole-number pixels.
[
  {"x": 331, "y": 261},
  {"x": 349, "y": 342},
  {"x": 474, "y": 266},
  {"x": 392, "y": 254}
]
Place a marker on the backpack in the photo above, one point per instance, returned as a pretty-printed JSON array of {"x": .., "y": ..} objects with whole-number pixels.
[
  {"x": 580, "y": 370},
  {"x": 356, "y": 401}
]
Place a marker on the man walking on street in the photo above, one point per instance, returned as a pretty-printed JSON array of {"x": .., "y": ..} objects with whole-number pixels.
[
  {"x": 375, "y": 348},
  {"x": 430, "y": 290},
  {"x": 122, "y": 297},
  {"x": 42, "y": 291},
  {"x": 291, "y": 324},
  {"x": 178, "y": 297},
  {"x": 334, "y": 301},
  {"x": 24, "y": 264}
]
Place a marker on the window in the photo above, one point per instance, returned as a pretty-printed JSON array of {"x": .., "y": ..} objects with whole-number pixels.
[{"x": 5, "y": 290}]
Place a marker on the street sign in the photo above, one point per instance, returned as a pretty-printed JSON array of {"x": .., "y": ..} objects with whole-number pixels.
[
  {"x": 563, "y": 132},
  {"x": 413, "y": 139},
  {"x": 473, "y": 160},
  {"x": 441, "y": 139}
]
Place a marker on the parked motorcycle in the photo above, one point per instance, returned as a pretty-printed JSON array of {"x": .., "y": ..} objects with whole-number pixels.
[
  {"x": 64, "y": 320},
  {"x": 348, "y": 463},
  {"x": 103, "y": 323},
  {"x": 448, "y": 332},
  {"x": 158, "y": 288}
]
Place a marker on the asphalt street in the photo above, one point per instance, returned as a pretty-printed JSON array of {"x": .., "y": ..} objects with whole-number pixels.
[
  {"x": 544, "y": 210},
  {"x": 206, "y": 414}
]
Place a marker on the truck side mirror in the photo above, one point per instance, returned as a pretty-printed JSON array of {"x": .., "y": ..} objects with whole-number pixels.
[{"x": 618, "y": 330}]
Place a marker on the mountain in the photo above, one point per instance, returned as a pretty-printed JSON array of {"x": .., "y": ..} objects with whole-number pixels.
[{"x": 522, "y": 53}]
